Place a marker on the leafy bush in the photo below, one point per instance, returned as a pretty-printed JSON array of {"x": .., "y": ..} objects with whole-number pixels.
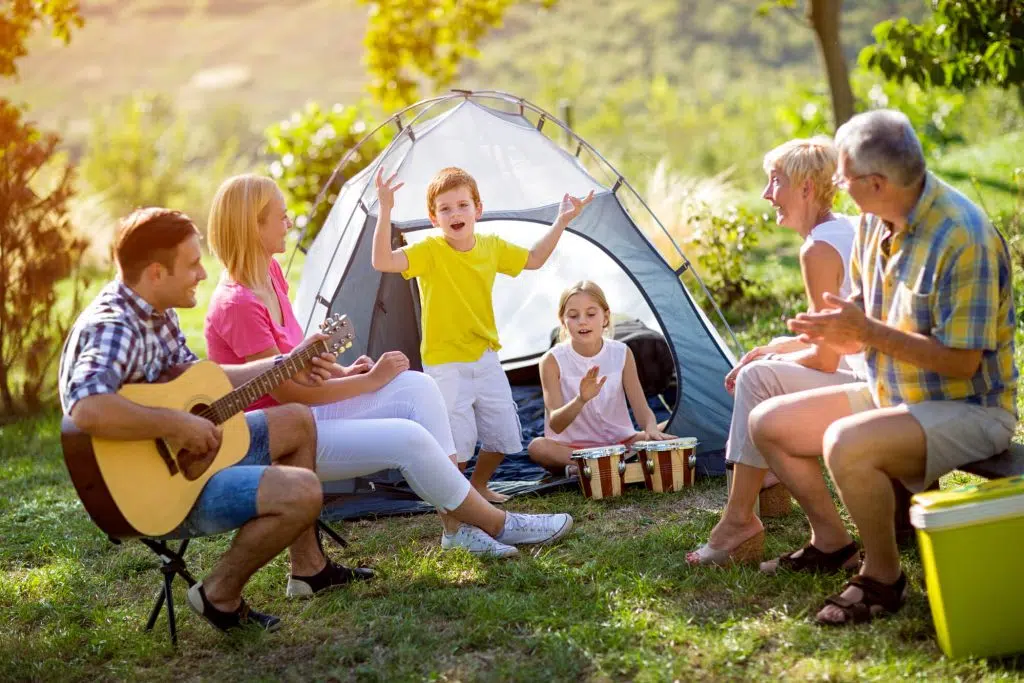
[
  {"x": 942, "y": 117},
  {"x": 723, "y": 241},
  {"x": 144, "y": 152},
  {"x": 960, "y": 45},
  {"x": 38, "y": 251},
  {"x": 306, "y": 148},
  {"x": 935, "y": 112}
]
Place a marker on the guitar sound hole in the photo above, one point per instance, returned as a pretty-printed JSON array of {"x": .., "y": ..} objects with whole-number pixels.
[{"x": 193, "y": 465}]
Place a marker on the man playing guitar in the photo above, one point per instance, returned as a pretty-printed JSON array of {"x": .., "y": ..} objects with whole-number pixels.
[{"x": 130, "y": 334}]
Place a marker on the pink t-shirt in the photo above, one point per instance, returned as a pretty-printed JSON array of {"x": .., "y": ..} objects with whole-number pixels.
[{"x": 238, "y": 324}]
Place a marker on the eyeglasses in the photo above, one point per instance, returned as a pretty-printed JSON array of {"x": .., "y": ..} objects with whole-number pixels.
[{"x": 843, "y": 183}]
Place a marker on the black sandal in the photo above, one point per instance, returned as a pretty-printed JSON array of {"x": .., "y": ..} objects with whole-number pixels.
[
  {"x": 877, "y": 600},
  {"x": 815, "y": 561}
]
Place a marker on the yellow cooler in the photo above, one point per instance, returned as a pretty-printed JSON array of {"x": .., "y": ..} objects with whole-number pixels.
[{"x": 972, "y": 547}]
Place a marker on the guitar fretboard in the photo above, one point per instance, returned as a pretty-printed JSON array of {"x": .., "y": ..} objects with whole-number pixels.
[{"x": 237, "y": 400}]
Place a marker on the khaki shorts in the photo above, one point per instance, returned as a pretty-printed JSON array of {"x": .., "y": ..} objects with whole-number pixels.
[{"x": 956, "y": 433}]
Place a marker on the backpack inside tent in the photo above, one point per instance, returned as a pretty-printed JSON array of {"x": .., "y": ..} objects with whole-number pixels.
[{"x": 523, "y": 160}]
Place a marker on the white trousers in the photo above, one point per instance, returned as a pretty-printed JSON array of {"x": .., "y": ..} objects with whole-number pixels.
[{"x": 404, "y": 426}]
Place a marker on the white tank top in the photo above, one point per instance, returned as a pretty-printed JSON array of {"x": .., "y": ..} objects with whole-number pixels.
[
  {"x": 604, "y": 420},
  {"x": 839, "y": 234}
]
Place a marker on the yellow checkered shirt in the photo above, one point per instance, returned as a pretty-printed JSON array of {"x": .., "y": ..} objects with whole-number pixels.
[{"x": 947, "y": 275}]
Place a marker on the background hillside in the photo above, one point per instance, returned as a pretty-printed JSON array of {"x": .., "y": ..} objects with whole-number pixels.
[
  {"x": 267, "y": 58},
  {"x": 683, "y": 96}
]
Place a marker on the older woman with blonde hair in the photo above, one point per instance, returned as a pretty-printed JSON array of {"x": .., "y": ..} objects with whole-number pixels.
[
  {"x": 372, "y": 415},
  {"x": 801, "y": 189}
]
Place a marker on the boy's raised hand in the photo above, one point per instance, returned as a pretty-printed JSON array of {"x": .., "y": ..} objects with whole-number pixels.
[
  {"x": 590, "y": 385},
  {"x": 386, "y": 190},
  {"x": 572, "y": 206}
]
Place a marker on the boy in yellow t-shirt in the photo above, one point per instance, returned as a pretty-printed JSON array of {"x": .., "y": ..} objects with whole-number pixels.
[{"x": 456, "y": 274}]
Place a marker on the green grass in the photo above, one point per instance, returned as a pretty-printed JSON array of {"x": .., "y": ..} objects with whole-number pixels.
[
  {"x": 614, "y": 601},
  {"x": 985, "y": 172}
]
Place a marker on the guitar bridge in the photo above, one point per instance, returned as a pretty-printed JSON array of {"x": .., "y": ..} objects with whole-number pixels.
[{"x": 165, "y": 454}]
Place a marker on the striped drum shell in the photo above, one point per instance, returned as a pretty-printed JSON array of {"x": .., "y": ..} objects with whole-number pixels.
[
  {"x": 667, "y": 465},
  {"x": 602, "y": 470}
]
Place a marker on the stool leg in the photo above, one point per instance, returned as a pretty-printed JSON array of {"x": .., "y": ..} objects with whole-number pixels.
[
  {"x": 168, "y": 580},
  {"x": 160, "y": 596},
  {"x": 335, "y": 536}
]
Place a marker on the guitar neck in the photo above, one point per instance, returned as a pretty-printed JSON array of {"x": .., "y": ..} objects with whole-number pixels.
[{"x": 262, "y": 384}]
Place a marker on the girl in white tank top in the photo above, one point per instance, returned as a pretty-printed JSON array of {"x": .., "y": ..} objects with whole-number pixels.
[{"x": 586, "y": 380}]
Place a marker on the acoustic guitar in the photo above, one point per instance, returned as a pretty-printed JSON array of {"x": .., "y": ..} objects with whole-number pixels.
[{"x": 147, "y": 488}]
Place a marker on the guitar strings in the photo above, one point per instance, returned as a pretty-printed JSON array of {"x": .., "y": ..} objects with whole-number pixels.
[{"x": 212, "y": 412}]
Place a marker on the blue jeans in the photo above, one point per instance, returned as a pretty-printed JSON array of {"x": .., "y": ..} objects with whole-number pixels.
[{"x": 229, "y": 498}]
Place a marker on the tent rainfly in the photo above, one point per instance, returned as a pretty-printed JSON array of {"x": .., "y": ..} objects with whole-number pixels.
[{"x": 522, "y": 173}]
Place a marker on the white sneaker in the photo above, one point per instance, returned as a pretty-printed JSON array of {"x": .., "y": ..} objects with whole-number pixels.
[
  {"x": 532, "y": 529},
  {"x": 476, "y": 541}
]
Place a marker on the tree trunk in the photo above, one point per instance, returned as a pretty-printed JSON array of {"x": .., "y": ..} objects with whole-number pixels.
[{"x": 823, "y": 16}]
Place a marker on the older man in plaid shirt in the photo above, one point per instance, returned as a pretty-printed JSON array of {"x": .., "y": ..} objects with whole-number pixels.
[{"x": 932, "y": 308}]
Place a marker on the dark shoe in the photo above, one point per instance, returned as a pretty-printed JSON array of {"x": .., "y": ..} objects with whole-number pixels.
[
  {"x": 815, "y": 561},
  {"x": 228, "y": 621},
  {"x": 331, "y": 576},
  {"x": 877, "y": 600}
]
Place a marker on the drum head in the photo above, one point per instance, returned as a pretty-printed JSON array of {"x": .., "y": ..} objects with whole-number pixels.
[
  {"x": 669, "y": 445},
  {"x": 598, "y": 452}
]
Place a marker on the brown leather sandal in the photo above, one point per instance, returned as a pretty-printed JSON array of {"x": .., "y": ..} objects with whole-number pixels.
[
  {"x": 877, "y": 600},
  {"x": 815, "y": 561}
]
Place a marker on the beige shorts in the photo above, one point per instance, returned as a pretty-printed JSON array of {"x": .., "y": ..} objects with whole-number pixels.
[{"x": 956, "y": 433}]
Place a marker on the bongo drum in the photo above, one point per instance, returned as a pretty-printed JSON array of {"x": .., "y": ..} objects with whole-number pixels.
[
  {"x": 667, "y": 465},
  {"x": 602, "y": 470}
]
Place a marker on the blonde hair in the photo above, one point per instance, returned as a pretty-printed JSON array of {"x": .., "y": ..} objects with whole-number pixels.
[
  {"x": 814, "y": 159},
  {"x": 239, "y": 206},
  {"x": 591, "y": 289},
  {"x": 447, "y": 179}
]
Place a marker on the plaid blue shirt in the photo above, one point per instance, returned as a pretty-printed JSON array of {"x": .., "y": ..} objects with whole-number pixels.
[
  {"x": 946, "y": 275},
  {"x": 118, "y": 339}
]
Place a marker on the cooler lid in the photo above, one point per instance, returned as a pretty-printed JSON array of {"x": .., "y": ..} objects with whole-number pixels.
[
  {"x": 987, "y": 501},
  {"x": 971, "y": 493}
]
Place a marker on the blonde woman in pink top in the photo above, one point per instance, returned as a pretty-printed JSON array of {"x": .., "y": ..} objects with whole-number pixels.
[
  {"x": 371, "y": 415},
  {"x": 586, "y": 380}
]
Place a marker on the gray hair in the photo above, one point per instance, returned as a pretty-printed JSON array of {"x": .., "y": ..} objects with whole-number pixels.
[{"x": 883, "y": 142}]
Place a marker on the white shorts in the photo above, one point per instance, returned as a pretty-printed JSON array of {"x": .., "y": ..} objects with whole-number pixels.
[{"x": 480, "y": 406}]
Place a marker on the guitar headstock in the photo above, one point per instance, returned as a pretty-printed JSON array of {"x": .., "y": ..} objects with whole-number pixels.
[{"x": 339, "y": 329}]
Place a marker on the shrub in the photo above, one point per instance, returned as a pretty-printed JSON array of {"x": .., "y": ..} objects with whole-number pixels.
[
  {"x": 143, "y": 151},
  {"x": 39, "y": 252},
  {"x": 723, "y": 241},
  {"x": 305, "y": 149}
]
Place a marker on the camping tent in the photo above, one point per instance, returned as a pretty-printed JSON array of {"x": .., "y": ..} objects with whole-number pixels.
[{"x": 522, "y": 173}]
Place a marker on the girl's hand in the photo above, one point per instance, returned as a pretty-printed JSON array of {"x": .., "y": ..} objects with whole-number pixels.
[
  {"x": 652, "y": 434},
  {"x": 590, "y": 385},
  {"x": 388, "y": 366},
  {"x": 385, "y": 190}
]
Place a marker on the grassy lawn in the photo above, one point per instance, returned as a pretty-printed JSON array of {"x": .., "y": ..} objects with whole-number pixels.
[{"x": 614, "y": 601}]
